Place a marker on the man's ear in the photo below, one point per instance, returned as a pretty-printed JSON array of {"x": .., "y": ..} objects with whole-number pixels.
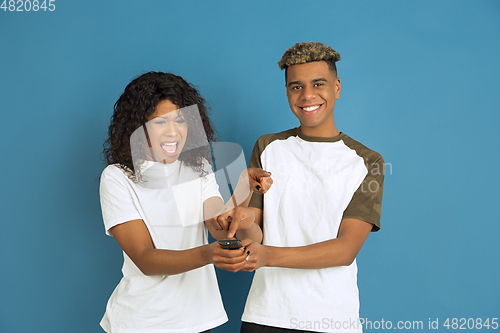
[{"x": 337, "y": 88}]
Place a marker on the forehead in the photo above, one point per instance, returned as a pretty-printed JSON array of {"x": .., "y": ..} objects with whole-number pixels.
[
  {"x": 164, "y": 108},
  {"x": 309, "y": 71}
]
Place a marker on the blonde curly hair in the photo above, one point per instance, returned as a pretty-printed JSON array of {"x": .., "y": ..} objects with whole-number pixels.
[{"x": 302, "y": 53}]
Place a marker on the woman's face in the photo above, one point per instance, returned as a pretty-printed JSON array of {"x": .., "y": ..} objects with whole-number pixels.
[{"x": 167, "y": 131}]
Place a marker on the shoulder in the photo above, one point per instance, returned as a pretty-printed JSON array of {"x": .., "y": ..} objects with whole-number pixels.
[
  {"x": 369, "y": 155},
  {"x": 114, "y": 173},
  {"x": 267, "y": 139}
]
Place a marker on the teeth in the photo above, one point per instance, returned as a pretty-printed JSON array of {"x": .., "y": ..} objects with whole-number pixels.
[
  {"x": 169, "y": 147},
  {"x": 310, "y": 108}
]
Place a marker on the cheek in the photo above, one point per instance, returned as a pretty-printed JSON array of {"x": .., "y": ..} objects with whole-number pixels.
[{"x": 183, "y": 131}]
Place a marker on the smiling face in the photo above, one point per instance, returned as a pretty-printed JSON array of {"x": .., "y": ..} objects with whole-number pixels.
[
  {"x": 312, "y": 89},
  {"x": 167, "y": 131}
]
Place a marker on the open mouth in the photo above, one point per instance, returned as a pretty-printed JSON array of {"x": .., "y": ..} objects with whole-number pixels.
[
  {"x": 310, "y": 108},
  {"x": 170, "y": 148}
]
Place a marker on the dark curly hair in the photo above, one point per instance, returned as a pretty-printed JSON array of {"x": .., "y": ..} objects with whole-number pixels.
[{"x": 138, "y": 102}]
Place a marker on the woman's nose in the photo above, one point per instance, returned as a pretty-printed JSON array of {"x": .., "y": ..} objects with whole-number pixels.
[{"x": 170, "y": 129}]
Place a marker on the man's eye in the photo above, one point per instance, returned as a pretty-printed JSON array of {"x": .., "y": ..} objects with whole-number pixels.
[
  {"x": 296, "y": 87},
  {"x": 318, "y": 84}
]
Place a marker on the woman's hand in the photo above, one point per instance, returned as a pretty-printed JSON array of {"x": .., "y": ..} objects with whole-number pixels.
[
  {"x": 257, "y": 255},
  {"x": 229, "y": 260},
  {"x": 237, "y": 218},
  {"x": 260, "y": 180}
]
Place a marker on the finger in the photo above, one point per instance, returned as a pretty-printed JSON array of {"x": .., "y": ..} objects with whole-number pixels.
[
  {"x": 266, "y": 183},
  {"x": 246, "y": 242},
  {"x": 255, "y": 179},
  {"x": 226, "y": 253},
  {"x": 215, "y": 224},
  {"x": 225, "y": 220},
  {"x": 233, "y": 267},
  {"x": 233, "y": 227},
  {"x": 254, "y": 185},
  {"x": 237, "y": 218},
  {"x": 260, "y": 173},
  {"x": 230, "y": 259},
  {"x": 250, "y": 266}
]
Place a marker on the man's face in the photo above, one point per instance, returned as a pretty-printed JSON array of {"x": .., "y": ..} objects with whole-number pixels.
[
  {"x": 312, "y": 89},
  {"x": 167, "y": 131}
]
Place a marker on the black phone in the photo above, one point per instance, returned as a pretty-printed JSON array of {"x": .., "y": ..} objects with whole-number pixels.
[{"x": 230, "y": 244}]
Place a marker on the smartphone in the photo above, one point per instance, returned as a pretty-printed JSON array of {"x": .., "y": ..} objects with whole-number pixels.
[{"x": 230, "y": 244}]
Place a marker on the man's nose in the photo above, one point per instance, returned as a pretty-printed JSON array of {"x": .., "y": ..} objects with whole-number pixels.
[{"x": 308, "y": 93}]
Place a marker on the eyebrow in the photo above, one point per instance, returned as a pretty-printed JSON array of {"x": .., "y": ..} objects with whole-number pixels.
[
  {"x": 164, "y": 116},
  {"x": 320, "y": 79}
]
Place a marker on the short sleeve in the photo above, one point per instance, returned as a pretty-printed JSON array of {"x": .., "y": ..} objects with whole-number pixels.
[
  {"x": 366, "y": 203},
  {"x": 210, "y": 186},
  {"x": 257, "y": 200},
  {"x": 117, "y": 202}
]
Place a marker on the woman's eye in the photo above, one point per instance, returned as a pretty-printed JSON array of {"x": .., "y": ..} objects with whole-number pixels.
[
  {"x": 180, "y": 121},
  {"x": 160, "y": 122}
]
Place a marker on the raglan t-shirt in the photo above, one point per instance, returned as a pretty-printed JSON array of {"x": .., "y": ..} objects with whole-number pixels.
[
  {"x": 317, "y": 182},
  {"x": 170, "y": 203}
]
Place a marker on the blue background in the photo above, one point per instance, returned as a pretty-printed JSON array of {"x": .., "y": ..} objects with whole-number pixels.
[{"x": 420, "y": 84}]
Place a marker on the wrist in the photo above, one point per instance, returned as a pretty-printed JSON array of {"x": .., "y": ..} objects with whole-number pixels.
[
  {"x": 270, "y": 255},
  {"x": 206, "y": 254}
]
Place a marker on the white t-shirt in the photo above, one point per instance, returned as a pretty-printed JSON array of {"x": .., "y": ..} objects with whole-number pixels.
[
  {"x": 171, "y": 205},
  {"x": 316, "y": 183}
]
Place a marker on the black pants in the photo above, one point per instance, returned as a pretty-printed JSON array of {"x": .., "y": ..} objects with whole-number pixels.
[{"x": 256, "y": 328}]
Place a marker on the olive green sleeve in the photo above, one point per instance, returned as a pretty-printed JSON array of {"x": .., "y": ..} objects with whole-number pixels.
[{"x": 366, "y": 203}]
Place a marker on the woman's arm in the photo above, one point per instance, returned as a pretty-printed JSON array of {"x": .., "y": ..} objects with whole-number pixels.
[{"x": 135, "y": 240}]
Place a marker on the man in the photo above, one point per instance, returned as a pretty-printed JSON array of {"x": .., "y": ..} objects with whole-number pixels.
[{"x": 325, "y": 200}]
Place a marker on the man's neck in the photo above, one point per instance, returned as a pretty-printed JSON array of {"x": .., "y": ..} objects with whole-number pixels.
[{"x": 320, "y": 132}]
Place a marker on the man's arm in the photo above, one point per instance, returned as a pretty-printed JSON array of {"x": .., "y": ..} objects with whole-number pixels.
[
  {"x": 340, "y": 251},
  {"x": 255, "y": 231},
  {"x": 235, "y": 216}
]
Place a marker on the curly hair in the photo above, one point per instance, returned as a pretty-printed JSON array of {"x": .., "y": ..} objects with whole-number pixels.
[
  {"x": 138, "y": 102},
  {"x": 302, "y": 53}
]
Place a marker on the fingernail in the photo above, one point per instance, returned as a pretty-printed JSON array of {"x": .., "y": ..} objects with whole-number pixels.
[{"x": 258, "y": 187}]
